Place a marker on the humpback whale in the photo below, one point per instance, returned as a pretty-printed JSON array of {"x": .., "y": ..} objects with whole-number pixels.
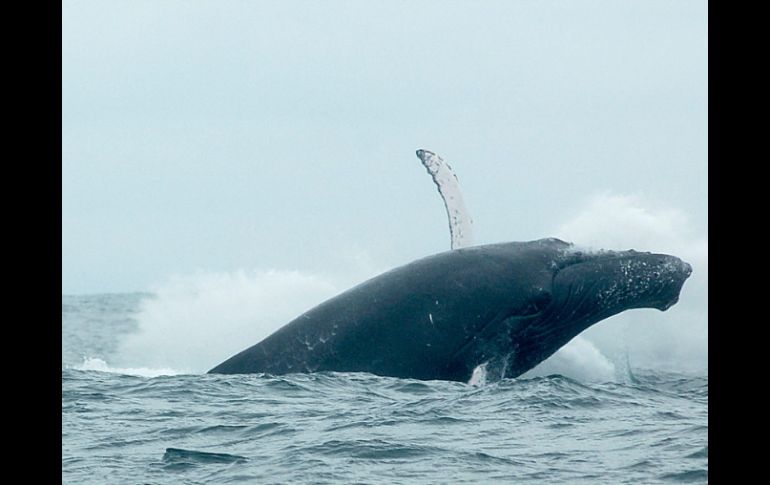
[{"x": 506, "y": 307}]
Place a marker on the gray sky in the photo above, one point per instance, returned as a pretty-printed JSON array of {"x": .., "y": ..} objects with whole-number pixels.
[{"x": 219, "y": 135}]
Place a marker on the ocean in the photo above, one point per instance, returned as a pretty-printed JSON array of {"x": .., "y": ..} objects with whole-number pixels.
[{"x": 124, "y": 422}]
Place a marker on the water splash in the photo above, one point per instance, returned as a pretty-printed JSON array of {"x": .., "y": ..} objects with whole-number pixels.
[
  {"x": 579, "y": 360},
  {"x": 676, "y": 339},
  {"x": 96, "y": 364},
  {"x": 196, "y": 321}
]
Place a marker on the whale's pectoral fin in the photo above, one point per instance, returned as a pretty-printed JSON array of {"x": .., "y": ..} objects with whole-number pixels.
[
  {"x": 496, "y": 367},
  {"x": 460, "y": 222},
  {"x": 493, "y": 345}
]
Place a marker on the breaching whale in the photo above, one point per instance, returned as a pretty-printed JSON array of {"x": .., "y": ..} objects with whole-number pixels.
[{"x": 508, "y": 306}]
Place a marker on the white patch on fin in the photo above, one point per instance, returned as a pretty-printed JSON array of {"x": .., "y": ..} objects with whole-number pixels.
[
  {"x": 460, "y": 222},
  {"x": 479, "y": 376}
]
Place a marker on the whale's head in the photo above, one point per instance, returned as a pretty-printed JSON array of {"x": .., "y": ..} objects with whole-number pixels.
[
  {"x": 585, "y": 282},
  {"x": 586, "y": 287}
]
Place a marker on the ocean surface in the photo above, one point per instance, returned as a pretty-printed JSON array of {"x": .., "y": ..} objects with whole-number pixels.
[{"x": 124, "y": 424}]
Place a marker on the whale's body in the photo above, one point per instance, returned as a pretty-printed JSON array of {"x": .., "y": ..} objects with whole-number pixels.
[{"x": 509, "y": 306}]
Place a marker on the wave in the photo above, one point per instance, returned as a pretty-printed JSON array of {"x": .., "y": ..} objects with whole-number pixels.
[
  {"x": 180, "y": 456},
  {"x": 96, "y": 364}
]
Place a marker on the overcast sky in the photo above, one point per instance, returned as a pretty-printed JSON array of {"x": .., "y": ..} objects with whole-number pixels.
[{"x": 220, "y": 135}]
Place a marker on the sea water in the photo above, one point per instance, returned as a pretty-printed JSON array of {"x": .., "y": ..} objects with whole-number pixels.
[{"x": 124, "y": 422}]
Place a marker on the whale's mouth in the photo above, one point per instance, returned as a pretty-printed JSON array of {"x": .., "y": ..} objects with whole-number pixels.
[
  {"x": 673, "y": 277},
  {"x": 668, "y": 305}
]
